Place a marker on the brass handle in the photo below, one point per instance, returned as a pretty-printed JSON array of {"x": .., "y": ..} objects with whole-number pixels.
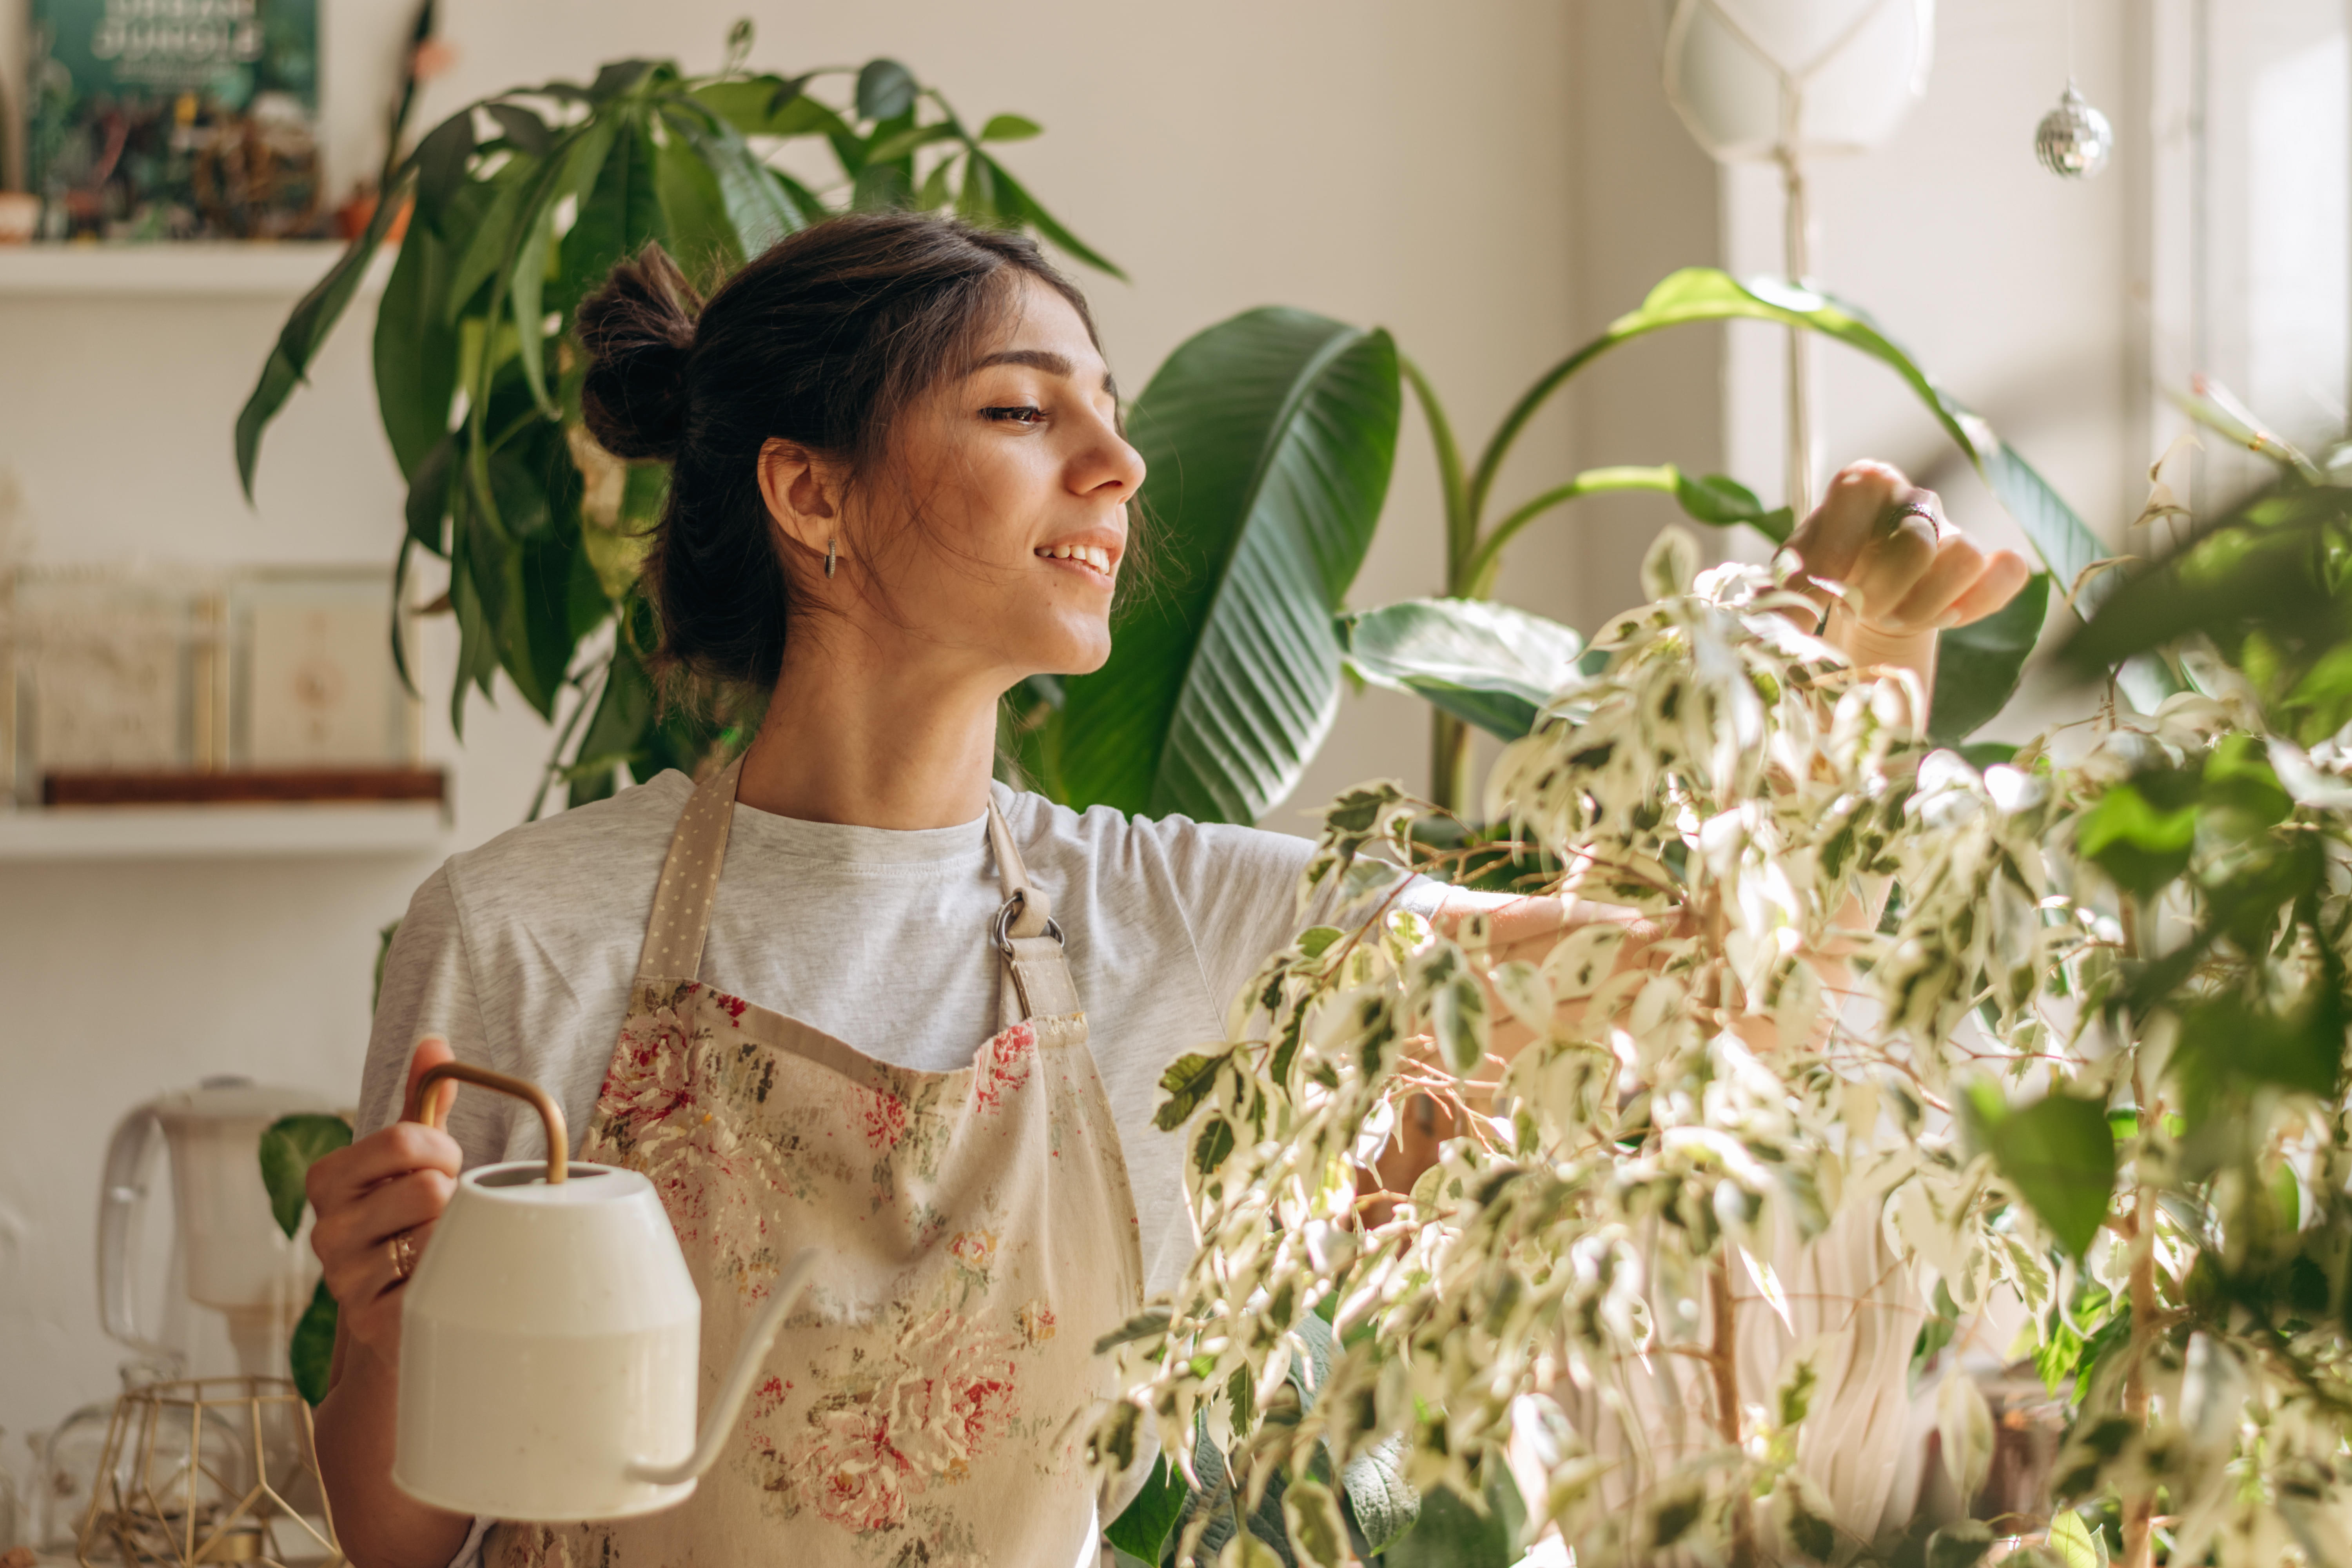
[{"x": 421, "y": 1103}]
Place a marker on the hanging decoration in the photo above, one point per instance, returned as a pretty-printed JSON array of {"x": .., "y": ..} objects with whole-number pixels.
[
  {"x": 1786, "y": 80},
  {"x": 2074, "y": 139}
]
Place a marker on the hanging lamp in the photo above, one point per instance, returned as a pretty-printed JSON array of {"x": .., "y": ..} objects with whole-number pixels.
[{"x": 1780, "y": 81}]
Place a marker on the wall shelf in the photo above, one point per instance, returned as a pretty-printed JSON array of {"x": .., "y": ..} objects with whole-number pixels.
[
  {"x": 220, "y": 268},
  {"x": 313, "y": 830}
]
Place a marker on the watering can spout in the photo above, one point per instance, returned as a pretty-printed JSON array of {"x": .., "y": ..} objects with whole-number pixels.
[{"x": 749, "y": 1357}]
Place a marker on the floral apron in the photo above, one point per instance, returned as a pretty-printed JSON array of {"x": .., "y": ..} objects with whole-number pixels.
[{"x": 927, "y": 1402}]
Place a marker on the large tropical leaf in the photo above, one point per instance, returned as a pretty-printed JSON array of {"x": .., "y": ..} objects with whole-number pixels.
[
  {"x": 1270, "y": 438},
  {"x": 1487, "y": 663},
  {"x": 1706, "y": 294},
  {"x": 1978, "y": 666}
]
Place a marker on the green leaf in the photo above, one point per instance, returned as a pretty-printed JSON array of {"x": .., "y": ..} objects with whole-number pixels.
[
  {"x": 1963, "y": 1544},
  {"x": 886, "y": 90},
  {"x": 524, "y": 289},
  {"x": 1318, "y": 1536},
  {"x": 1189, "y": 1080},
  {"x": 1270, "y": 437},
  {"x": 1978, "y": 666},
  {"x": 619, "y": 76},
  {"x": 526, "y": 130},
  {"x": 756, "y": 200},
  {"x": 1725, "y": 502},
  {"x": 1706, "y": 294},
  {"x": 2225, "y": 1042},
  {"x": 1451, "y": 1533},
  {"x": 2058, "y": 1153},
  {"x": 311, "y": 1350},
  {"x": 694, "y": 211},
  {"x": 1489, "y": 664},
  {"x": 1015, "y": 201},
  {"x": 306, "y": 329},
  {"x": 1214, "y": 1146},
  {"x": 289, "y": 1149},
  {"x": 489, "y": 241},
  {"x": 1458, "y": 1019},
  {"x": 1010, "y": 128},
  {"x": 1381, "y": 1502},
  {"x": 2263, "y": 567},
  {"x": 441, "y": 160},
  {"x": 882, "y": 188},
  {"x": 527, "y": 265},
  {"x": 2141, "y": 831},
  {"x": 903, "y": 144},
  {"x": 417, "y": 350},
  {"x": 2074, "y": 1544},
  {"x": 621, "y": 212},
  {"x": 768, "y": 106},
  {"x": 428, "y": 495},
  {"x": 1142, "y": 1528}
]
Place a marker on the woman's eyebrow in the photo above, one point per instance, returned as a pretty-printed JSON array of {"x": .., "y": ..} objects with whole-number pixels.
[{"x": 1046, "y": 359}]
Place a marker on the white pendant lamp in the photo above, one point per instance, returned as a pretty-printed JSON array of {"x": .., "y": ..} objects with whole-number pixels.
[{"x": 1783, "y": 81}]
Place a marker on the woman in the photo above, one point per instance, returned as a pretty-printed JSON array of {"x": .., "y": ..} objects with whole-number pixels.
[{"x": 898, "y": 485}]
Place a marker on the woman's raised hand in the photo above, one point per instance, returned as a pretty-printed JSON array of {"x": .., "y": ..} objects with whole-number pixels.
[
  {"x": 1902, "y": 571},
  {"x": 377, "y": 1201}
]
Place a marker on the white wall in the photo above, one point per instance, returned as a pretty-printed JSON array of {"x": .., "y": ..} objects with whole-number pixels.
[{"x": 1383, "y": 162}]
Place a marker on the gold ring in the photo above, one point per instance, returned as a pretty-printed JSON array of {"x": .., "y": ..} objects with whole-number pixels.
[{"x": 404, "y": 1254}]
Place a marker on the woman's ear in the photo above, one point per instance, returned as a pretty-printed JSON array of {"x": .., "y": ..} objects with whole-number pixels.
[{"x": 804, "y": 494}]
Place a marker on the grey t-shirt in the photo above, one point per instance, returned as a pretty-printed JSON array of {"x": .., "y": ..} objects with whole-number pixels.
[{"x": 520, "y": 953}]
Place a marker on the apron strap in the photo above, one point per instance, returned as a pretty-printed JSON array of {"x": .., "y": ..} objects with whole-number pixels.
[
  {"x": 1036, "y": 974},
  {"x": 681, "y": 916}
]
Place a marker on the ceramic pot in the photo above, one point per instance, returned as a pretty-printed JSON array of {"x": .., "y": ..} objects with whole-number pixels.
[{"x": 552, "y": 1341}]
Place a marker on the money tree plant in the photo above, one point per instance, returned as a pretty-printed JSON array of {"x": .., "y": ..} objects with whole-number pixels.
[
  {"x": 506, "y": 214},
  {"x": 2065, "y": 1028}
]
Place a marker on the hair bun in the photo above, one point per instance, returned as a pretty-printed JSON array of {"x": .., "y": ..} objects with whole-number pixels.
[{"x": 638, "y": 330}]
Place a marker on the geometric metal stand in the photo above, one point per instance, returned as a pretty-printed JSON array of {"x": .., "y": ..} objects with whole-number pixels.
[{"x": 216, "y": 1470}]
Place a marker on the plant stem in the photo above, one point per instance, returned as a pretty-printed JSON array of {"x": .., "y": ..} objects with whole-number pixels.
[
  {"x": 1477, "y": 578},
  {"x": 1450, "y": 781},
  {"x": 1723, "y": 1357},
  {"x": 2139, "y": 1507}
]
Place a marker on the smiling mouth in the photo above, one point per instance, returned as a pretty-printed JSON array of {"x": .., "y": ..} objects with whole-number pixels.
[{"x": 1093, "y": 556}]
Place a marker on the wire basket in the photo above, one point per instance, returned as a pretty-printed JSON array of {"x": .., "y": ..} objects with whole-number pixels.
[{"x": 207, "y": 1470}]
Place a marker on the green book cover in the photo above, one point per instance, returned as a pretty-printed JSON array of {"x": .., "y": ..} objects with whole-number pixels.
[{"x": 175, "y": 119}]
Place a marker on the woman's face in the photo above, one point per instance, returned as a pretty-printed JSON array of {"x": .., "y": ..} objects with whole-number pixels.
[{"x": 1017, "y": 480}]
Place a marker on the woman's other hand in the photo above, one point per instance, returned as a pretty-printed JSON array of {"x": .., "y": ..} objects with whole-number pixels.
[
  {"x": 1902, "y": 573},
  {"x": 377, "y": 1202}
]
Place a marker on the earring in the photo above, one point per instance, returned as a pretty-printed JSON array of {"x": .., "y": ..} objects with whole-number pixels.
[{"x": 828, "y": 556}]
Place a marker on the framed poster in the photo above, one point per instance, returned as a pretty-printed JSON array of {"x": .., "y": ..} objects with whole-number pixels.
[
  {"x": 175, "y": 119},
  {"x": 316, "y": 683}
]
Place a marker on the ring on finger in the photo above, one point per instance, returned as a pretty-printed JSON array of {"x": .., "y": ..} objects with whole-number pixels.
[
  {"x": 1919, "y": 508},
  {"x": 404, "y": 1254}
]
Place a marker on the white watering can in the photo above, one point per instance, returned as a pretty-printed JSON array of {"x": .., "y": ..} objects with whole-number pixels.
[{"x": 550, "y": 1342}]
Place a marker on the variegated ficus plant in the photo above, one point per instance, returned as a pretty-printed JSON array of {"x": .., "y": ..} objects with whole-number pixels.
[{"x": 2062, "y": 1030}]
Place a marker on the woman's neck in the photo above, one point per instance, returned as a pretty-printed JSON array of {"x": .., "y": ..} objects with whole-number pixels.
[{"x": 882, "y": 743}]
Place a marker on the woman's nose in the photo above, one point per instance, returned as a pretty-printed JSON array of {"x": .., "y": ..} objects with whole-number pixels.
[{"x": 1109, "y": 466}]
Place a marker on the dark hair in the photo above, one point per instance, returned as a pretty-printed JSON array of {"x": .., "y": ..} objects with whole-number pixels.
[{"x": 823, "y": 340}]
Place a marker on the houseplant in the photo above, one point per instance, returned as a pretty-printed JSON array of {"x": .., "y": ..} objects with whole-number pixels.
[
  {"x": 522, "y": 203},
  {"x": 2102, "y": 1066}
]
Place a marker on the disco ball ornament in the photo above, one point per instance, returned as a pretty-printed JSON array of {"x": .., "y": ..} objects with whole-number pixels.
[{"x": 2074, "y": 139}]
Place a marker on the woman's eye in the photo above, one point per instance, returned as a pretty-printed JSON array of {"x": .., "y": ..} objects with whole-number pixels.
[{"x": 1018, "y": 414}]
